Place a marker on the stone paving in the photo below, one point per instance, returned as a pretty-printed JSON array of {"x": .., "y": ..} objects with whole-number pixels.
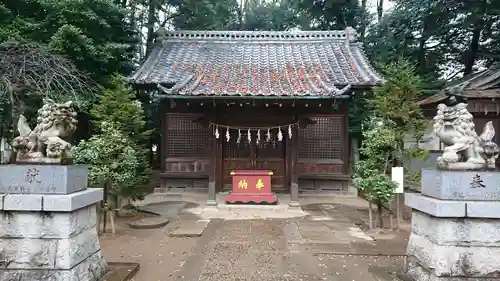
[
  {"x": 190, "y": 228},
  {"x": 325, "y": 245}
]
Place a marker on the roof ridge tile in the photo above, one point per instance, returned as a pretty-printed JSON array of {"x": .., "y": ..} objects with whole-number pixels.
[{"x": 348, "y": 34}]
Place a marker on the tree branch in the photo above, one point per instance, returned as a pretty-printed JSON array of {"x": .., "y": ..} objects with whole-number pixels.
[
  {"x": 30, "y": 67},
  {"x": 165, "y": 21}
]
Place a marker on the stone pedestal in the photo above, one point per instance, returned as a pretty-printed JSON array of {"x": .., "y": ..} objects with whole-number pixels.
[
  {"x": 455, "y": 227},
  {"x": 49, "y": 235}
]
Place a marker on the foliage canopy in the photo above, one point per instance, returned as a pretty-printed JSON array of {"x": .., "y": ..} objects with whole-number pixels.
[
  {"x": 396, "y": 99},
  {"x": 118, "y": 154},
  {"x": 118, "y": 105},
  {"x": 115, "y": 162},
  {"x": 370, "y": 173}
]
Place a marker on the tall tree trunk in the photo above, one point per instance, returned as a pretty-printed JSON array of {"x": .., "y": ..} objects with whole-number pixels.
[
  {"x": 133, "y": 18},
  {"x": 370, "y": 214},
  {"x": 380, "y": 217},
  {"x": 151, "y": 25},
  {"x": 362, "y": 29},
  {"x": 10, "y": 116},
  {"x": 140, "y": 26},
  {"x": 422, "y": 52},
  {"x": 354, "y": 153},
  {"x": 471, "y": 54},
  {"x": 380, "y": 9}
]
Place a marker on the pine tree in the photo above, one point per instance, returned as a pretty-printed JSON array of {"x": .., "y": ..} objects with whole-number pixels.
[
  {"x": 118, "y": 105},
  {"x": 395, "y": 114},
  {"x": 117, "y": 153}
]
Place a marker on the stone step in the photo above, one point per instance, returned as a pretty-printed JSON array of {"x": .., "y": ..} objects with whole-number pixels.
[
  {"x": 148, "y": 223},
  {"x": 190, "y": 228}
]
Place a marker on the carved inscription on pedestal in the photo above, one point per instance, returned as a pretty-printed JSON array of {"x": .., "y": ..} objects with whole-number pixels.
[
  {"x": 461, "y": 185},
  {"x": 42, "y": 179},
  {"x": 477, "y": 182}
]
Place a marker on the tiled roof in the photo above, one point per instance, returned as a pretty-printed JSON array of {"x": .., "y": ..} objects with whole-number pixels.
[
  {"x": 320, "y": 63},
  {"x": 482, "y": 84}
]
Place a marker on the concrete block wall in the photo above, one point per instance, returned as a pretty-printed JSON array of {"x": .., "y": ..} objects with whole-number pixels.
[
  {"x": 453, "y": 239},
  {"x": 48, "y": 240},
  {"x": 50, "y": 235},
  {"x": 453, "y": 248}
]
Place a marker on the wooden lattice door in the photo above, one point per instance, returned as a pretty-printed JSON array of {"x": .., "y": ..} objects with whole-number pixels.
[
  {"x": 238, "y": 155},
  {"x": 271, "y": 156},
  {"x": 245, "y": 155},
  {"x": 321, "y": 153}
]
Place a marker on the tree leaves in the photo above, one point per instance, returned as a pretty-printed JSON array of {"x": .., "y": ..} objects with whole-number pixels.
[
  {"x": 443, "y": 38},
  {"x": 206, "y": 14},
  {"x": 331, "y": 15},
  {"x": 66, "y": 46},
  {"x": 395, "y": 113},
  {"x": 278, "y": 16},
  {"x": 370, "y": 174},
  {"x": 117, "y": 152},
  {"x": 118, "y": 105},
  {"x": 94, "y": 34},
  {"x": 114, "y": 161}
]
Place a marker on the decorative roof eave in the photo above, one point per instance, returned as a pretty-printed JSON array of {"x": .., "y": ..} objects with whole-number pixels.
[
  {"x": 363, "y": 86},
  {"x": 178, "y": 86},
  {"x": 377, "y": 78},
  {"x": 437, "y": 97},
  {"x": 332, "y": 89},
  {"x": 470, "y": 94},
  {"x": 480, "y": 85},
  {"x": 338, "y": 94},
  {"x": 146, "y": 67},
  {"x": 253, "y": 97},
  {"x": 485, "y": 80}
]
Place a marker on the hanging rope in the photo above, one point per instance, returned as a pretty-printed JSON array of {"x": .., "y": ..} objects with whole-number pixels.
[{"x": 215, "y": 127}]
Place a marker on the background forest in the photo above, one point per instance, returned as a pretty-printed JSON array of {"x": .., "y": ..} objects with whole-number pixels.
[{"x": 82, "y": 49}]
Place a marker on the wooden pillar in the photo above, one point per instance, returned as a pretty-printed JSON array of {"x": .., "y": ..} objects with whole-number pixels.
[
  {"x": 346, "y": 144},
  {"x": 212, "y": 177},
  {"x": 294, "y": 179},
  {"x": 219, "y": 157},
  {"x": 164, "y": 106}
]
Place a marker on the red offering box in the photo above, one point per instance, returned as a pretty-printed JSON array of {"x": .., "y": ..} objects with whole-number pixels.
[{"x": 252, "y": 186}]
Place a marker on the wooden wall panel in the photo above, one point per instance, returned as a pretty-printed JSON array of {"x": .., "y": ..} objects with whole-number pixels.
[
  {"x": 187, "y": 146},
  {"x": 319, "y": 168},
  {"x": 186, "y": 137},
  {"x": 185, "y": 165},
  {"x": 322, "y": 146},
  {"x": 323, "y": 140}
]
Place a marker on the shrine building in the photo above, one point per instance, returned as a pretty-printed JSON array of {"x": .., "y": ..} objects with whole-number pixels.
[
  {"x": 255, "y": 101},
  {"x": 481, "y": 91}
]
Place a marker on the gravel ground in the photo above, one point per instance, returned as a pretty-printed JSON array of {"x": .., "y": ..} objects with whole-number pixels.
[
  {"x": 326, "y": 246},
  {"x": 159, "y": 255}
]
